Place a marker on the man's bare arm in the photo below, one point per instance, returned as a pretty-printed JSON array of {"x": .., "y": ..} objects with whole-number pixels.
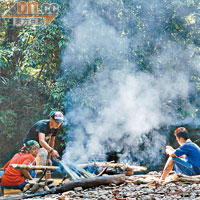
[
  {"x": 51, "y": 144},
  {"x": 51, "y": 151},
  {"x": 42, "y": 141},
  {"x": 26, "y": 174}
]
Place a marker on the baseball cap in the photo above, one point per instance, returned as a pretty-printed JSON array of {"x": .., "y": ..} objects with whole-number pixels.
[{"x": 58, "y": 116}]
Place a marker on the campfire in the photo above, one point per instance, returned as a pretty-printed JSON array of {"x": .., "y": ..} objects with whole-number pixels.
[
  {"x": 76, "y": 175},
  {"x": 120, "y": 186}
]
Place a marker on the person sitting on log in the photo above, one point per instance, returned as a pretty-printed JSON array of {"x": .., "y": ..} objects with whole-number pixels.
[
  {"x": 184, "y": 159},
  {"x": 16, "y": 178}
]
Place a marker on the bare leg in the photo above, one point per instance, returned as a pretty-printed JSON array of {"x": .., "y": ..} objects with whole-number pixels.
[
  {"x": 168, "y": 167},
  {"x": 1, "y": 191}
]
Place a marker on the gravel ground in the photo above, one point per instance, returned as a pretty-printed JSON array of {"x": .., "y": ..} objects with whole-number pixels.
[{"x": 133, "y": 189}]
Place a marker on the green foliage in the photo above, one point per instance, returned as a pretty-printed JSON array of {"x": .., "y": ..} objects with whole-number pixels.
[
  {"x": 29, "y": 68},
  {"x": 30, "y": 74}
]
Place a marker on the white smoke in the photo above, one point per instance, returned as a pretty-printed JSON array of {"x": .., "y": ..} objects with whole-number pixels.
[{"x": 118, "y": 106}]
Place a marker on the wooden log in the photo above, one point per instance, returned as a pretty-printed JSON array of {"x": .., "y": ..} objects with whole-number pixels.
[
  {"x": 108, "y": 164},
  {"x": 66, "y": 186},
  {"x": 91, "y": 182},
  {"x": 12, "y": 197},
  {"x": 189, "y": 179},
  {"x": 37, "y": 167}
]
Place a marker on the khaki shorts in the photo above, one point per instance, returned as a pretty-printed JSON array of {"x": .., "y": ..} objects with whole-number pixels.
[{"x": 41, "y": 158}]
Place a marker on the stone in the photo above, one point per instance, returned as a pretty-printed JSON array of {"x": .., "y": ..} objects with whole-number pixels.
[
  {"x": 49, "y": 181},
  {"x": 78, "y": 189},
  {"x": 51, "y": 185},
  {"x": 69, "y": 193},
  {"x": 147, "y": 197},
  {"x": 46, "y": 188},
  {"x": 41, "y": 184},
  {"x": 26, "y": 187},
  {"x": 32, "y": 182},
  {"x": 35, "y": 188},
  {"x": 40, "y": 189}
]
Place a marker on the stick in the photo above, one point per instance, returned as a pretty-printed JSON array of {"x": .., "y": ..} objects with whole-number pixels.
[
  {"x": 31, "y": 167},
  {"x": 108, "y": 164}
]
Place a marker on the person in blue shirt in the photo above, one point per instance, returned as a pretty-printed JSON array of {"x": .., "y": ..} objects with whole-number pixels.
[{"x": 185, "y": 159}]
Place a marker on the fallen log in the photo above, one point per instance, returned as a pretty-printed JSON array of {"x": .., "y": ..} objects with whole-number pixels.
[
  {"x": 91, "y": 182},
  {"x": 37, "y": 167},
  {"x": 189, "y": 179},
  {"x": 70, "y": 185},
  {"x": 108, "y": 164}
]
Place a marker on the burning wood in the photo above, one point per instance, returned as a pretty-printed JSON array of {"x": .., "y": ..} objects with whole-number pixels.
[
  {"x": 128, "y": 169},
  {"x": 80, "y": 178}
]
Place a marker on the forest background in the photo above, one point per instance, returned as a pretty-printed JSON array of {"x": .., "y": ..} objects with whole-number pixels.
[{"x": 32, "y": 83}]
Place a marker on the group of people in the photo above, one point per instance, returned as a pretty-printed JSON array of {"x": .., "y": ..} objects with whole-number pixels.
[{"x": 39, "y": 148}]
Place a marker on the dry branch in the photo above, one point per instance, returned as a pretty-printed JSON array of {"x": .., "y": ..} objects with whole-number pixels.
[
  {"x": 31, "y": 167},
  {"x": 91, "y": 182},
  {"x": 189, "y": 179},
  {"x": 108, "y": 164}
]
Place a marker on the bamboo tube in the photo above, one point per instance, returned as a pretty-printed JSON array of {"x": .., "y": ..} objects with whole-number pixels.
[
  {"x": 67, "y": 170},
  {"x": 85, "y": 173}
]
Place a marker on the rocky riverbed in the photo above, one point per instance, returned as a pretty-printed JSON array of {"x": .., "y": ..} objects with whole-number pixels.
[{"x": 141, "y": 187}]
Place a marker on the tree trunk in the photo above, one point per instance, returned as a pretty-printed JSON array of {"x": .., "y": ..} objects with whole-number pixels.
[{"x": 91, "y": 182}]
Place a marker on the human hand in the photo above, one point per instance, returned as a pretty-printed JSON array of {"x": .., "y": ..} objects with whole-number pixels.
[
  {"x": 169, "y": 147},
  {"x": 55, "y": 155},
  {"x": 168, "y": 151}
]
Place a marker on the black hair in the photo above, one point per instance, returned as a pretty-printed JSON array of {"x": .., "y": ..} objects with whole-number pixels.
[{"x": 183, "y": 134}]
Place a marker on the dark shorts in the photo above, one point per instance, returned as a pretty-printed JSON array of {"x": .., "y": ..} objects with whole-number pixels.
[{"x": 183, "y": 167}]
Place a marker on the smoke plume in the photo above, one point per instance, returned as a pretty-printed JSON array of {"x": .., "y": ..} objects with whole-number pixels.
[{"x": 119, "y": 106}]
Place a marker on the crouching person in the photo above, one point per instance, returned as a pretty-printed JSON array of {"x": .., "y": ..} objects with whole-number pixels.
[
  {"x": 16, "y": 178},
  {"x": 185, "y": 159}
]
